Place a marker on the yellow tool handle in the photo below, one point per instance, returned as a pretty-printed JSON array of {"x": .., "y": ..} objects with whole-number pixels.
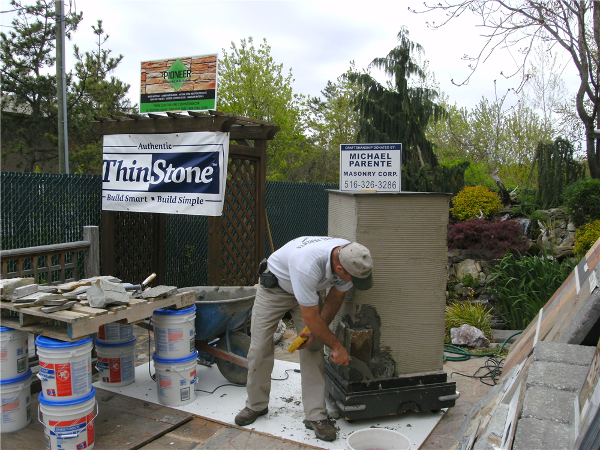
[{"x": 298, "y": 341}]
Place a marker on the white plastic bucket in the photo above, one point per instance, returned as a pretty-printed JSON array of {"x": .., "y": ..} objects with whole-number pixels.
[
  {"x": 68, "y": 424},
  {"x": 116, "y": 362},
  {"x": 176, "y": 379},
  {"x": 115, "y": 332},
  {"x": 65, "y": 368},
  {"x": 377, "y": 439},
  {"x": 14, "y": 356},
  {"x": 175, "y": 332},
  {"x": 15, "y": 396}
]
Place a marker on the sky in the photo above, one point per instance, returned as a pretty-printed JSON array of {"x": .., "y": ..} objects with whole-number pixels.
[{"x": 316, "y": 40}]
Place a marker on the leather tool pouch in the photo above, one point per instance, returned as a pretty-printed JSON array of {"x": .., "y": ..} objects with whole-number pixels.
[
  {"x": 267, "y": 279},
  {"x": 262, "y": 266}
]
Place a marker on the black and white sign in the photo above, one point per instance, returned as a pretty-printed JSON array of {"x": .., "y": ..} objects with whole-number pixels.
[
  {"x": 370, "y": 167},
  {"x": 179, "y": 173}
]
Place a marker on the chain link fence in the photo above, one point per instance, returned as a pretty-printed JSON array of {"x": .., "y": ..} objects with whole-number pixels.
[{"x": 42, "y": 209}]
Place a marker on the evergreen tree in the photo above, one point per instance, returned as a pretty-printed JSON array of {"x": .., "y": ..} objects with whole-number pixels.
[
  {"x": 29, "y": 110},
  {"x": 400, "y": 113},
  {"x": 94, "y": 93}
]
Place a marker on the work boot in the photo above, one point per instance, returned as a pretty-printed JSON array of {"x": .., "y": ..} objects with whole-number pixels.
[
  {"x": 323, "y": 429},
  {"x": 247, "y": 416}
]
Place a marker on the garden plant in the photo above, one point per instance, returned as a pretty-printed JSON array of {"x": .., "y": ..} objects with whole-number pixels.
[
  {"x": 585, "y": 237},
  {"x": 475, "y": 201},
  {"x": 523, "y": 284}
]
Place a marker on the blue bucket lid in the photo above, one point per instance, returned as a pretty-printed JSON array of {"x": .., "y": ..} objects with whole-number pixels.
[
  {"x": 175, "y": 361},
  {"x": 43, "y": 341},
  {"x": 46, "y": 401},
  {"x": 6, "y": 329},
  {"x": 16, "y": 379},
  {"x": 100, "y": 343},
  {"x": 174, "y": 312}
]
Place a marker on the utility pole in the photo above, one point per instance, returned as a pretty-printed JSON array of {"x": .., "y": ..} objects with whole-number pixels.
[{"x": 61, "y": 86}]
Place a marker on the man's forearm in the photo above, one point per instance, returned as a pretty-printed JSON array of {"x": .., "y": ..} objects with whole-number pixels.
[
  {"x": 332, "y": 305},
  {"x": 317, "y": 325}
]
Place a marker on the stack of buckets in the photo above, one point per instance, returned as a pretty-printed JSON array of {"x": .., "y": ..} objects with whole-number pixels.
[
  {"x": 115, "y": 347},
  {"x": 15, "y": 380},
  {"x": 68, "y": 398},
  {"x": 175, "y": 355}
]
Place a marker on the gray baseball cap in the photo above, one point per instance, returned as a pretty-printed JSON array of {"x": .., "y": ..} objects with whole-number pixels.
[{"x": 356, "y": 260}]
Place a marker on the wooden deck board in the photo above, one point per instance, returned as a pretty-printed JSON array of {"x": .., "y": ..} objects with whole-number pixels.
[{"x": 123, "y": 423}]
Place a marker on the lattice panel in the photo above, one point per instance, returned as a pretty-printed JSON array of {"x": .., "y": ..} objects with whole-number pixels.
[
  {"x": 51, "y": 268},
  {"x": 134, "y": 246},
  {"x": 238, "y": 235}
]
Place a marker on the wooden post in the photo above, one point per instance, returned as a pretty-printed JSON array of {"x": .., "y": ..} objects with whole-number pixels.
[
  {"x": 214, "y": 251},
  {"x": 108, "y": 242},
  {"x": 160, "y": 244},
  {"x": 91, "y": 258},
  {"x": 261, "y": 203}
]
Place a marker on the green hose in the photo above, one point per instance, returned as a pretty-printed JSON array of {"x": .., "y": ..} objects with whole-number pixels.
[{"x": 465, "y": 355}]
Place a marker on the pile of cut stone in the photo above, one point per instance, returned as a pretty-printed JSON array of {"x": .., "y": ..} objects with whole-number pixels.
[{"x": 95, "y": 292}]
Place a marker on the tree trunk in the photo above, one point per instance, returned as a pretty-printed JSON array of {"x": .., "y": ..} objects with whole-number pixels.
[{"x": 593, "y": 153}]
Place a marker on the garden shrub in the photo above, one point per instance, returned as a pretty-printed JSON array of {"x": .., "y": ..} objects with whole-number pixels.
[
  {"x": 473, "y": 201},
  {"x": 583, "y": 200},
  {"x": 522, "y": 285},
  {"x": 585, "y": 237},
  {"x": 487, "y": 239},
  {"x": 476, "y": 315}
]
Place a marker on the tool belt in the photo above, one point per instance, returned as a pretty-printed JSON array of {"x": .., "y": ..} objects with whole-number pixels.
[{"x": 266, "y": 278}]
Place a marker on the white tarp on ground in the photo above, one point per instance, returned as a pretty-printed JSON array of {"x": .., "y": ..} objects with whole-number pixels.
[{"x": 285, "y": 417}]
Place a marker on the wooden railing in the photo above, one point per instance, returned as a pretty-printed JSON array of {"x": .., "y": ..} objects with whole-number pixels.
[{"x": 54, "y": 264}]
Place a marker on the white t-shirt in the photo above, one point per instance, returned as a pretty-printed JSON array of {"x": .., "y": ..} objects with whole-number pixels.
[{"x": 303, "y": 267}]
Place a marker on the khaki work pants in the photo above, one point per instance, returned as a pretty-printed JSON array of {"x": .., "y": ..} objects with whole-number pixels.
[{"x": 269, "y": 307}]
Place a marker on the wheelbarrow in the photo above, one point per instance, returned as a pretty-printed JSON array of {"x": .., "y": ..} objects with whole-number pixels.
[{"x": 220, "y": 312}]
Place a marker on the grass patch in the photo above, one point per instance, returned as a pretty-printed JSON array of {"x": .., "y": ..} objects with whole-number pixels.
[
  {"x": 476, "y": 315},
  {"x": 522, "y": 285}
]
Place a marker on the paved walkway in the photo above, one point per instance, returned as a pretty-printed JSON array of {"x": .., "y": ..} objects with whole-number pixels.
[{"x": 201, "y": 433}]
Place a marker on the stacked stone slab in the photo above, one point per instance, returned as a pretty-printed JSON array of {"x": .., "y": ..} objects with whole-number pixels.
[{"x": 555, "y": 378}]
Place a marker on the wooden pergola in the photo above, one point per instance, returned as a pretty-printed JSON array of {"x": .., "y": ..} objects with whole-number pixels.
[{"x": 231, "y": 260}]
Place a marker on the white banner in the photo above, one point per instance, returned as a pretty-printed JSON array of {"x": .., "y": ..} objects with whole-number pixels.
[
  {"x": 178, "y": 173},
  {"x": 371, "y": 167}
]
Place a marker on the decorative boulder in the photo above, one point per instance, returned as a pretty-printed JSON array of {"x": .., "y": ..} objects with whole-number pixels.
[{"x": 469, "y": 336}]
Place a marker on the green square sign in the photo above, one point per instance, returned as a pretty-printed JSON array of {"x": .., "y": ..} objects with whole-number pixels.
[{"x": 177, "y": 74}]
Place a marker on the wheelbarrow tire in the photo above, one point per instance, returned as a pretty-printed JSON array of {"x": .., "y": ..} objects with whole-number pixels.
[{"x": 240, "y": 344}]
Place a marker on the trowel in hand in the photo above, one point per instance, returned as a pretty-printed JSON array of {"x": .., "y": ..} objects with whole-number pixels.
[
  {"x": 362, "y": 368},
  {"x": 359, "y": 366}
]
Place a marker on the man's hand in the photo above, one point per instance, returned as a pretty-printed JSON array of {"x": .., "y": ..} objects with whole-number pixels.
[
  {"x": 311, "y": 338},
  {"x": 340, "y": 356},
  {"x": 319, "y": 330}
]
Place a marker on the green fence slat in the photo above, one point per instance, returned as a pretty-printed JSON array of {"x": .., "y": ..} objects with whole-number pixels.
[{"x": 44, "y": 208}]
